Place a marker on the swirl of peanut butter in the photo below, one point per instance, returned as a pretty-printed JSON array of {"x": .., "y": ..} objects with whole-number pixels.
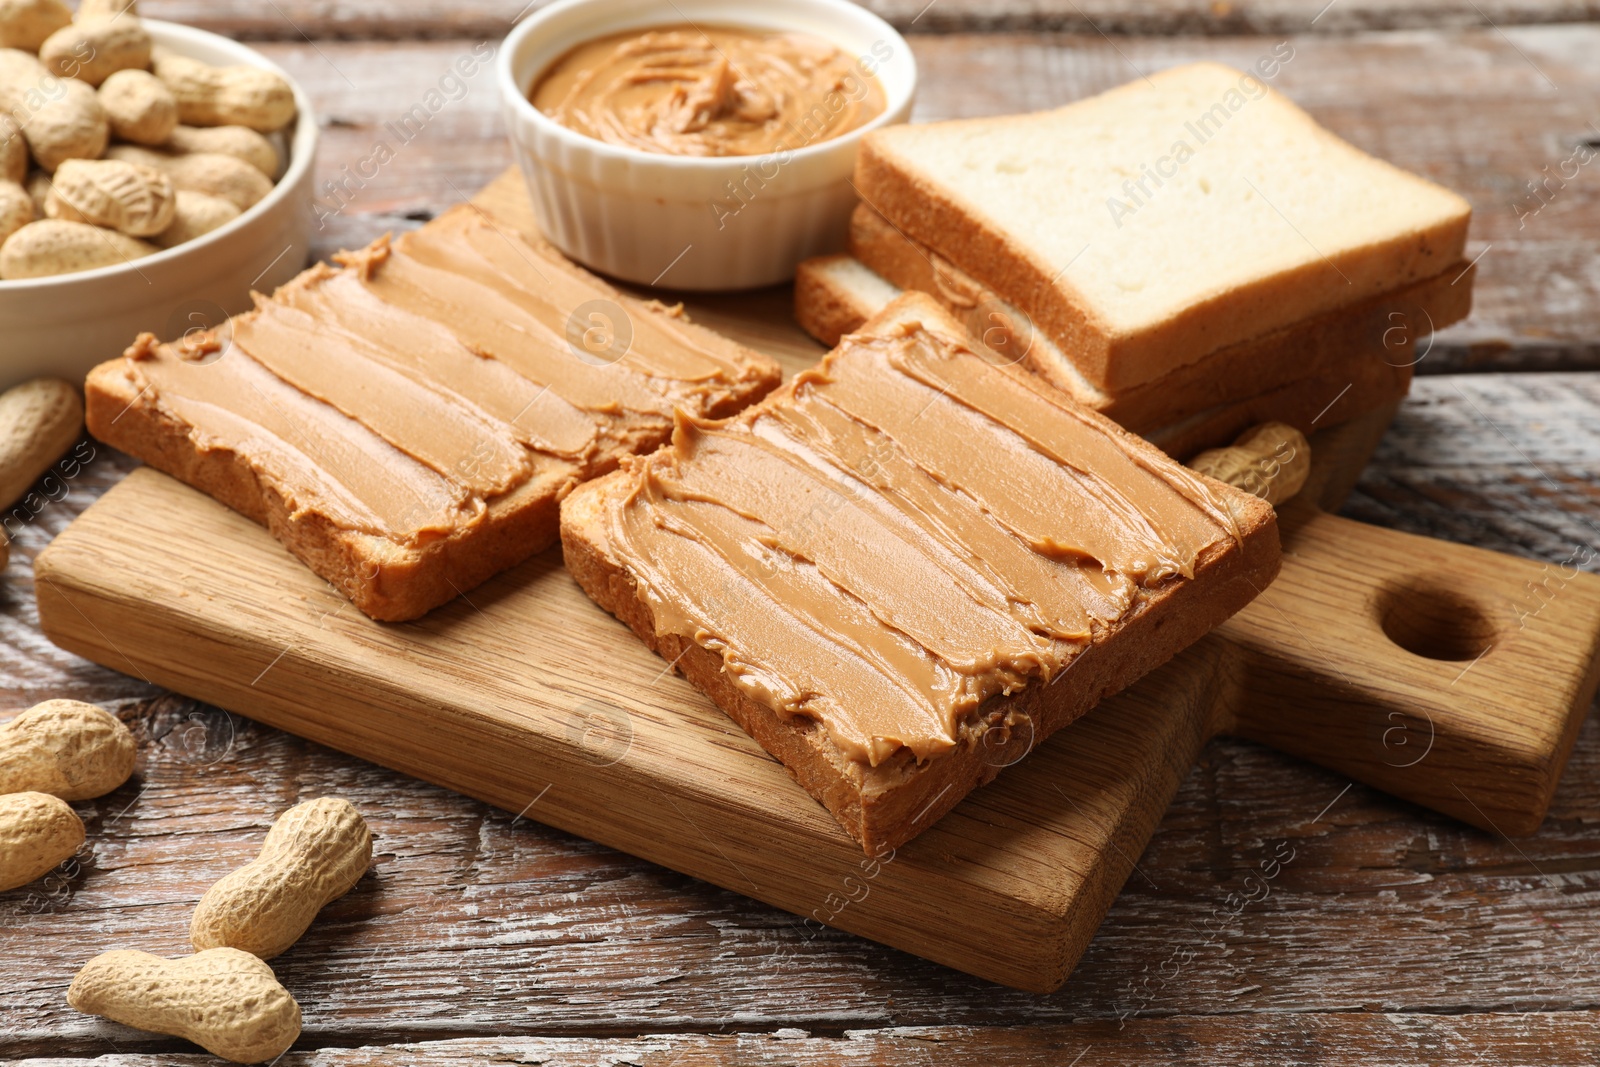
[{"x": 688, "y": 91}]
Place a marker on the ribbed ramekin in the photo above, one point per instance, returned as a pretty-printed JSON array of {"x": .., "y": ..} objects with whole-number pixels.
[{"x": 681, "y": 222}]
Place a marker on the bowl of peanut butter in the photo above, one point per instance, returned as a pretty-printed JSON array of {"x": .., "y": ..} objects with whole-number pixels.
[{"x": 702, "y": 145}]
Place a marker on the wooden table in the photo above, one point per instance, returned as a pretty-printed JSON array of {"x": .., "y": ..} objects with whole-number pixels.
[{"x": 1393, "y": 936}]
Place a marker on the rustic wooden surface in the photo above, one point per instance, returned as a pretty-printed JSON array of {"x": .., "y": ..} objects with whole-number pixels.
[
  {"x": 303, "y": 20},
  {"x": 1394, "y": 935}
]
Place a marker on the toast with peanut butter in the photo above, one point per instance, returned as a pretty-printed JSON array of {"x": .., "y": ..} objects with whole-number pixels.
[
  {"x": 407, "y": 423},
  {"x": 902, "y": 570}
]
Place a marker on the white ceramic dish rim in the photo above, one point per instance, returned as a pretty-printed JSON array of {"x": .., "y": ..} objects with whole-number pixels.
[
  {"x": 302, "y": 151},
  {"x": 512, "y": 89}
]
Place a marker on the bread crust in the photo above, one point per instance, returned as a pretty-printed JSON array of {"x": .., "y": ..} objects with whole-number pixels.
[
  {"x": 827, "y": 307},
  {"x": 1310, "y": 404},
  {"x": 1379, "y": 330},
  {"x": 824, "y": 308},
  {"x": 387, "y": 581},
  {"x": 885, "y": 806}
]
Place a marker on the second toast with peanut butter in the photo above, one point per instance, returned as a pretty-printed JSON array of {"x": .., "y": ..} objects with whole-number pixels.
[{"x": 910, "y": 565}]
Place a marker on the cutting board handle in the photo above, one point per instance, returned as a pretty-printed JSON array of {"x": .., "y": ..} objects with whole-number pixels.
[{"x": 1448, "y": 675}]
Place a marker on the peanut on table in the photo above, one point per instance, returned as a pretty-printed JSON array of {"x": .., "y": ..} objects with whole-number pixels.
[
  {"x": 224, "y": 998},
  {"x": 54, "y": 752}
]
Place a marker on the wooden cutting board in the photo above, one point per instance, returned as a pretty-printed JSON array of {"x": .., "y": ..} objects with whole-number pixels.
[{"x": 1448, "y": 675}]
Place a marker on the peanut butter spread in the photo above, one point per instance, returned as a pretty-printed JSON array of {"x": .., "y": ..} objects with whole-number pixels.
[
  {"x": 399, "y": 396},
  {"x": 904, "y": 532},
  {"x": 715, "y": 91}
]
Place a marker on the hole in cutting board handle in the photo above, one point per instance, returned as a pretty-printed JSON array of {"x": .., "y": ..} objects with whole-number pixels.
[{"x": 1433, "y": 621}]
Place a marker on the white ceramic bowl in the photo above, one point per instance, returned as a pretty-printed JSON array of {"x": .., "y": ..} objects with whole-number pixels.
[
  {"x": 670, "y": 220},
  {"x": 62, "y": 326}
]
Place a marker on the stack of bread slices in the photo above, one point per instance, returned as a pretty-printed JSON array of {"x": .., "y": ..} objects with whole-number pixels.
[{"x": 1189, "y": 254}]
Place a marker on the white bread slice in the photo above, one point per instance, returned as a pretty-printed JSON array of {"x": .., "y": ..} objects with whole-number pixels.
[
  {"x": 884, "y": 805},
  {"x": 835, "y": 295},
  {"x": 1332, "y": 343},
  {"x": 1147, "y": 227}
]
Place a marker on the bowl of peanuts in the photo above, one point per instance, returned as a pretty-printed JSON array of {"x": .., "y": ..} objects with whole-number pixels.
[{"x": 151, "y": 176}]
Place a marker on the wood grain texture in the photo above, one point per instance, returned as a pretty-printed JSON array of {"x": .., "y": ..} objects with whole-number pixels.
[
  {"x": 31, "y": 668},
  {"x": 1324, "y": 1040},
  {"x": 1386, "y": 909},
  {"x": 475, "y": 922},
  {"x": 317, "y": 20},
  {"x": 1485, "y": 112}
]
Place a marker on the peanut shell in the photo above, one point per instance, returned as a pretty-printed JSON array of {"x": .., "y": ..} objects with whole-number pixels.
[
  {"x": 26, "y": 24},
  {"x": 314, "y": 853},
  {"x": 226, "y": 1001},
  {"x": 61, "y": 118},
  {"x": 1272, "y": 461},
  {"x": 13, "y": 151},
  {"x": 139, "y": 106},
  {"x": 202, "y": 172},
  {"x": 88, "y": 10},
  {"x": 241, "y": 142},
  {"x": 66, "y": 748},
  {"x": 197, "y": 215},
  {"x": 94, "y": 50},
  {"x": 55, "y": 246},
  {"x": 127, "y": 197},
  {"x": 227, "y": 96},
  {"x": 37, "y": 833},
  {"x": 16, "y": 209}
]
